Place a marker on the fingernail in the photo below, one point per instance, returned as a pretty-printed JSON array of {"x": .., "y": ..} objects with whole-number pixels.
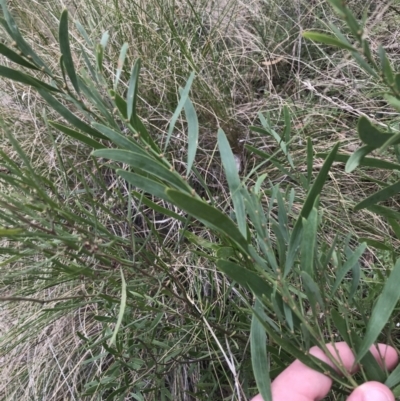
[{"x": 376, "y": 394}]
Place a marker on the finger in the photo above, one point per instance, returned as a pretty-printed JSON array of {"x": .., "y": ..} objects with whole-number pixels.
[
  {"x": 384, "y": 354},
  {"x": 371, "y": 391},
  {"x": 301, "y": 383}
]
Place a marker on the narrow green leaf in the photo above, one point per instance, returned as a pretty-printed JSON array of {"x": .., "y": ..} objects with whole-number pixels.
[
  {"x": 394, "y": 140},
  {"x": 267, "y": 130},
  {"x": 394, "y": 378},
  {"x": 258, "y": 152},
  {"x": 69, "y": 116},
  {"x": 15, "y": 57},
  {"x": 351, "y": 261},
  {"x": 327, "y": 40},
  {"x": 26, "y": 79},
  {"x": 232, "y": 176},
  {"x": 146, "y": 184},
  {"x": 338, "y": 33},
  {"x": 77, "y": 135},
  {"x": 23, "y": 46},
  {"x": 134, "y": 124},
  {"x": 144, "y": 163},
  {"x": 357, "y": 157},
  {"x": 208, "y": 215},
  {"x": 89, "y": 66},
  {"x": 120, "y": 64},
  {"x": 100, "y": 50},
  {"x": 385, "y": 211},
  {"x": 179, "y": 107},
  {"x": 393, "y": 101},
  {"x": 375, "y": 244},
  {"x": 308, "y": 242},
  {"x": 86, "y": 85},
  {"x": 121, "y": 313},
  {"x": 341, "y": 326},
  {"x": 379, "y": 196},
  {"x": 120, "y": 140},
  {"x": 316, "y": 189},
  {"x": 370, "y": 135},
  {"x": 385, "y": 66},
  {"x": 352, "y": 23},
  {"x": 259, "y": 358},
  {"x": 310, "y": 160},
  {"x": 312, "y": 292},
  {"x": 157, "y": 208},
  {"x": 364, "y": 65},
  {"x": 193, "y": 133},
  {"x": 62, "y": 68},
  {"x": 63, "y": 36},
  {"x": 131, "y": 97},
  {"x": 369, "y": 364},
  {"x": 366, "y": 162},
  {"x": 288, "y": 125},
  {"x": 382, "y": 311},
  {"x": 83, "y": 33},
  {"x": 248, "y": 279},
  {"x": 10, "y": 232},
  {"x": 288, "y": 316},
  {"x": 395, "y": 227},
  {"x": 312, "y": 196}
]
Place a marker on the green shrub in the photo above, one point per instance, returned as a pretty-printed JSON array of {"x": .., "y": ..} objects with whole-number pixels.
[{"x": 90, "y": 240}]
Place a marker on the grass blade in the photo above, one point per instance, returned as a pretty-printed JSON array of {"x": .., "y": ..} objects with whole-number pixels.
[
  {"x": 63, "y": 36},
  {"x": 382, "y": 311}
]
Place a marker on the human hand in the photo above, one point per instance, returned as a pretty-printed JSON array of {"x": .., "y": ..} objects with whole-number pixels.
[{"x": 298, "y": 382}]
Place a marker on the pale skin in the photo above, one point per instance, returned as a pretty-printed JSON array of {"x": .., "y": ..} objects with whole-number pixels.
[{"x": 300, "y": 383}]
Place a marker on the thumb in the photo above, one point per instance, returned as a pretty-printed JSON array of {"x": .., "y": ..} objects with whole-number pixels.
[{"x": 371, "y": 391}]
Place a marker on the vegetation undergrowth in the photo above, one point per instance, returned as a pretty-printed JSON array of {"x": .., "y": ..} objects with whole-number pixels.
[{"x": 184, "y": 206}]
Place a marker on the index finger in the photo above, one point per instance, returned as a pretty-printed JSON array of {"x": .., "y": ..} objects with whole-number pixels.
[{"x": 298, "y": 382}]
